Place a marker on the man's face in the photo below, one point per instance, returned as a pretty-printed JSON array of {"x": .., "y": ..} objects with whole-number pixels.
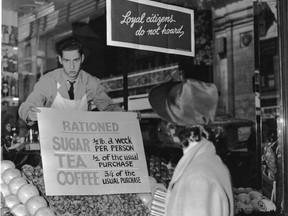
[{"x": 71, "y": 61}]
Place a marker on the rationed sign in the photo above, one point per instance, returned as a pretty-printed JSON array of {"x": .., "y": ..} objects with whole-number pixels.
[
  {"x": 92, "y": 153},
  {"x": 149, "y": 25}
]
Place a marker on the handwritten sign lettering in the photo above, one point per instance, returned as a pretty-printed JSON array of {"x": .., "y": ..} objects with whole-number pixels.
[
  {"x": 89, "y": 153},
  {"x": 150, "y": 25}
]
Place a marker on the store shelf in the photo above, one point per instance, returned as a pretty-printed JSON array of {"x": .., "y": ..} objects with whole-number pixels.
[{"x": 10, "y": 101}]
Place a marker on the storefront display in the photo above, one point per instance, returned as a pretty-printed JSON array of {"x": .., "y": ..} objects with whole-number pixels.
[
  {"x": 9, "y": 74},
  {"x": 29, "y": 185},
  {"x": 161, "y": 163},
  {"x": 19, "y": 197},
  {"x": 9, "y": 61},
  {"x": 249, "y": 131}
]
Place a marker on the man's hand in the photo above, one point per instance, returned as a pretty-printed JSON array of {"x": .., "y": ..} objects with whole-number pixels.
[
  {"x": 138, "y": 115},
  {"x": 32, "y": 115}
]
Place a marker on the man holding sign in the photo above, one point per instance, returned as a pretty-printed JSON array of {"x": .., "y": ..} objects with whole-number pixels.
[
  {"x": 68, "y": 88},
  {"x": 84, "y": 153}
]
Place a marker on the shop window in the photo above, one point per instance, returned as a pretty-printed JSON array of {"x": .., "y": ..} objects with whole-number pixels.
[{"x": 268, "y": 65}]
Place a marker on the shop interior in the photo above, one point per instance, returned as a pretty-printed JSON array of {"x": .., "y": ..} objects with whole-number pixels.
[{"x": 234, "y": 40}]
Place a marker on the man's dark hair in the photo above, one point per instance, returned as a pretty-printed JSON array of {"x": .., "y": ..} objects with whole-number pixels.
[{"x": 68, "y": 44}]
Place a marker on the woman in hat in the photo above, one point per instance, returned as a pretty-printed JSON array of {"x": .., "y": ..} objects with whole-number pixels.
[{"x": 201, "y": 183}]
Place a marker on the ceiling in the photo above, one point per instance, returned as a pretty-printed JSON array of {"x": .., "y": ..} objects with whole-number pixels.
[{"x": 28, "y": 6}]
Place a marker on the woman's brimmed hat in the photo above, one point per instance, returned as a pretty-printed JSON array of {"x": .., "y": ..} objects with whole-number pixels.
[{"x": 185, "y": 103}]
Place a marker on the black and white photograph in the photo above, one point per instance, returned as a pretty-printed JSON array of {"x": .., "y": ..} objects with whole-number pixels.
[{"x": 144, "y": 108}]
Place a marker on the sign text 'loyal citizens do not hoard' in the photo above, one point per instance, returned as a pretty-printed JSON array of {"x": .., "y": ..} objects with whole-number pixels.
[
  {"x": 92, "y": 153},
  {"x": 150, "y": 25}
]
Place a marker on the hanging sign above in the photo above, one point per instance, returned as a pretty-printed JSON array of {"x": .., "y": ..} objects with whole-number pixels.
[{"x": 149, "y": 25}]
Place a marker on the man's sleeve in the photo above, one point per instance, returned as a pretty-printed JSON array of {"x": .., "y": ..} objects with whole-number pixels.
[
  {"x": 37, "y": 98},
  {"x": 100, "y": 98}
]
